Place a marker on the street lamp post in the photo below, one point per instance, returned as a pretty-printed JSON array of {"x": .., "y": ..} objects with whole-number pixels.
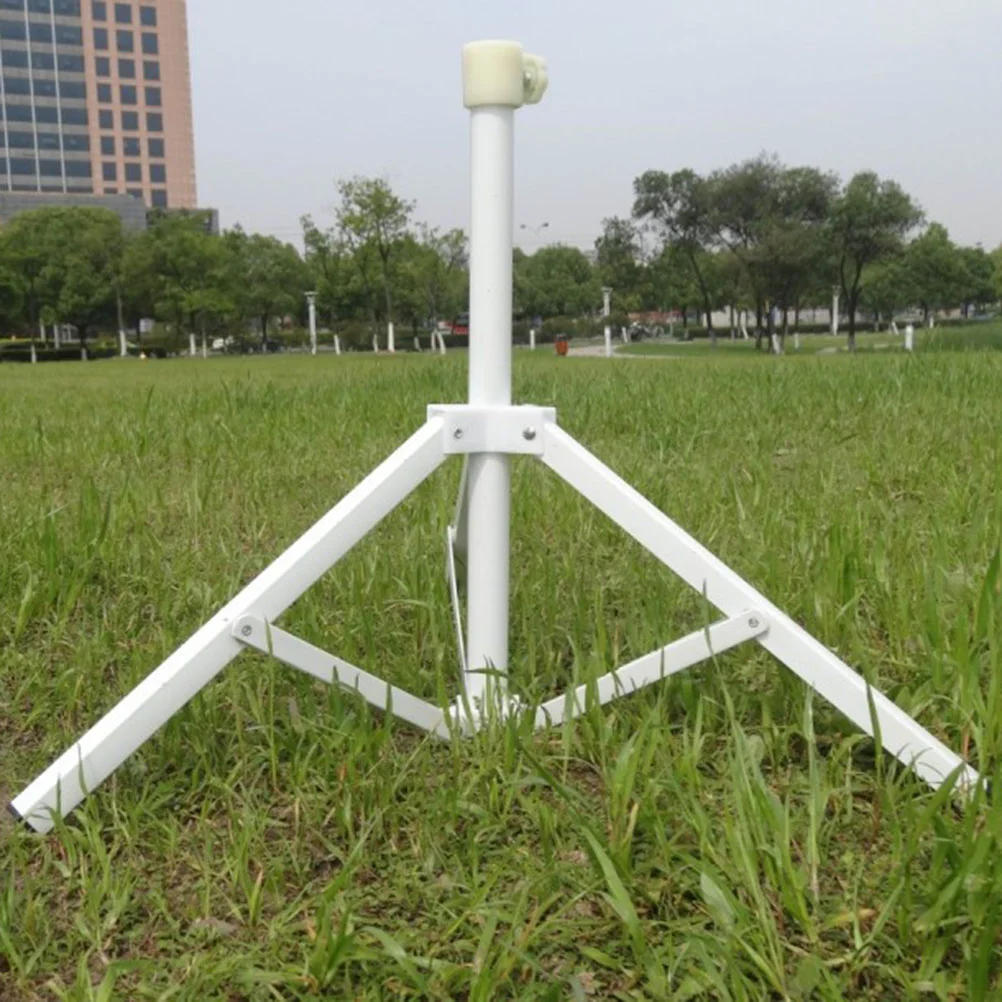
[{"x": 311, "y": 299}]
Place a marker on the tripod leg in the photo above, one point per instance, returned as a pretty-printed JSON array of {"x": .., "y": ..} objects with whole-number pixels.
[
  {"x": 190, "y": 668},
  {"x": 911, "y": 743}
]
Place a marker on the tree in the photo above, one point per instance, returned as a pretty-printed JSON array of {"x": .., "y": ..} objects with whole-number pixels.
[
  {"x": 869, "y": 223},
  {"x": 978, "y": 286},
  {"x": 935, "y": 270},
  {"x": 268, "y": 277},
  {"x": 618, "y": 258},
  {"x": 556, "y": 281},
  {"x": 887, "y": 287},
  {"x": 996, "y": 256},
  {"x": 373, "y": 221},
  {"x": 680, "y": 208}
]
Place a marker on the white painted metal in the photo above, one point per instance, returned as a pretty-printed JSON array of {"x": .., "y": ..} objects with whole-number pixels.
[
  {"x": 451, "y": 539},
  {"x": 193, "y": 665},
  {"x": 468, "y": 430},
  {"x": 253, "y": 631},
  {"x": 311, "y": 299},
  {"x": 608, "y": 342},
  {"x": 653, "y": 667},
  {"x": 391, "y": 340},
  {"x": 797, "y": 649},
  {"x": 489, "y": 486}
]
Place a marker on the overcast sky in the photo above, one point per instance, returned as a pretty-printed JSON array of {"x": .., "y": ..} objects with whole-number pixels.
[{"x": 293, "y": 94}]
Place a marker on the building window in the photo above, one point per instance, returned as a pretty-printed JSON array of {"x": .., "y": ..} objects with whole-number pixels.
[
  {"x": 106, "y": 119},
  {"x": 21, "y": 165},
  {"x": 17, "y": 59},
  {"x": 130, "y": 121},
  {"x": 72, "y": 116},
  {"x": 45, "y": 88},
  {"x": 77, "y": 143},
  {"x": 104, "y": 93},
  {"x": 150, "y": 46},
  {"x": 35, "y": 6},
  {"x": 99, "y": 10},
  {"x": 40, "y": 31},
  {"x": 156, "y": 148},
  {"x": 109, "y": 171},
  {"x": 70, "y": 64},
  {"x": 128, "y": 93},
  {"x": 158, "y": 174},
  {"x": 151, "y": 70},
  {"x": 103, "y": 66},
  {"x": 13, "y": 31},
  {"x": 67, "y": 34},
  {"x": 153, "y": 97},
  {"x": 154, "y": 121},
  {"x": 17, "y": 85},
  {"x": 48, "y": 140},
  {"x": 130, "y": 146},
  {"x": 125, "y": 41},
  {"x": 111, "y": 191},
  {"x": 50, "y": 168},
  {"x": 148, "y": 17},
  {"x": 18, "y": 113},
  {"x": 127, "y": 69},
  {"x": 50, "y": 116},
  {"x": 159, "y": 198},
  {"x": 39, "y": 60},
  {"x": 134, "y": 173},
  {"x": 123, "y": 13},
  {"x": 107, "y": 146},
  {"x": 21, "y": 140},
  {"x": 67, "y": 8},
  {"x": 101, "y": 39},
  {"x": 134, "y": 192},
  {"x": 78, "y": 168},
  {"x": 75, "y": 89}
]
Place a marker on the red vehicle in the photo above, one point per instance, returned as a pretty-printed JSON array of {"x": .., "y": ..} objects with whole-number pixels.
[{"x": 461, "y": 325}]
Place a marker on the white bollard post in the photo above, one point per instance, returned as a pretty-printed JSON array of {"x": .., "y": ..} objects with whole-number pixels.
[
  {"x": 391, "y": 343},
  {"x": 909, "y": 337},
  {"x": 337, "y": 345},
  {"x": 311, "y": 299},
  {"x": 122, "y": 347},
  {"x": 608, "y": 342},
  {"x": 192, "y": 349},
  {"x": 835, "y": 316},
  {"x": 532, "y": 339}
]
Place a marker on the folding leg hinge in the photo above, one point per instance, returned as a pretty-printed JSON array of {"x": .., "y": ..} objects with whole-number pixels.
[{"x": 511, "y": 430}]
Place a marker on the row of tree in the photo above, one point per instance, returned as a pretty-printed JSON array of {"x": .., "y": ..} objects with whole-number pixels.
[{"x": 757, "y": 236}]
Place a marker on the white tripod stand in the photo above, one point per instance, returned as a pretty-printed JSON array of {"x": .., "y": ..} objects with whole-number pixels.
[{"x": 498, "y": 78}]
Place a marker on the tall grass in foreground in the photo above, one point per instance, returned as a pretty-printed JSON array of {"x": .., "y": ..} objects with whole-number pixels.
[{"x": 724, "y": 836}]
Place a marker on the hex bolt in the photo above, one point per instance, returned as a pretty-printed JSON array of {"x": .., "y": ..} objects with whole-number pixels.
[
  {"x": 529, "y": 434},
  {"x": 247, "y": 630},
  {"x": 753, "y": 623},
  {"x": 458, "y": 433}
]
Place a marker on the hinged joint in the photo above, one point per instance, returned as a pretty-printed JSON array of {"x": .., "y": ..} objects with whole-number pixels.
[{"x": 508, "y": 430}]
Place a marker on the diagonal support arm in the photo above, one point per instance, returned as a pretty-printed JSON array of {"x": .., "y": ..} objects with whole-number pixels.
[
  {"x": 904, "y": 737},
  {"x": 193, "y": 665}
]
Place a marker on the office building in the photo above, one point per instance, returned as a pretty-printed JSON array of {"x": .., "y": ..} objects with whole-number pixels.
[{"x": 96, "y": 99}]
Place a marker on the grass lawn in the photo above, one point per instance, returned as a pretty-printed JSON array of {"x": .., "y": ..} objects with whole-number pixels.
[
  {"x": 723, "y": 836},
  {"x": 974, "y": 337}
]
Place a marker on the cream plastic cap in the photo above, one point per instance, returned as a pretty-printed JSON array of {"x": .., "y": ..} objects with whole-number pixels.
[{"x": 500, "y": 73}]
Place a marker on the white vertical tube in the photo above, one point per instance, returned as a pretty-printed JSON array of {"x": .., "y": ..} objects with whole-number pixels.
[
  {"x": 489, "y": 481},
  {"x": 312, "y": 300},
  {"x": 391, "y": 341}
]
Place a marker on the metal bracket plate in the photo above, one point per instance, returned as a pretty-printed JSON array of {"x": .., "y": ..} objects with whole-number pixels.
[{"x": 508, "y": 430}]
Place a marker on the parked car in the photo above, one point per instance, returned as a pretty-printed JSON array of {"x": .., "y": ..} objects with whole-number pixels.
[{"x": 461, "y": 325}]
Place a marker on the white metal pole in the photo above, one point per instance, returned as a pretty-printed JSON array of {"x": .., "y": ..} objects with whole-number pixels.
[
  {"x": 311, "y": 299},
  {"x": 489, "y": 484}
]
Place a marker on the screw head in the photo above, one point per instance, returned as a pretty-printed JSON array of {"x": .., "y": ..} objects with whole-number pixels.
[
  {"x": 246, "y": 631},
  {"x": 529, "y": 434},
  {"x": 753, "y": 623},
  {"x": 458, "y": 433}
]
